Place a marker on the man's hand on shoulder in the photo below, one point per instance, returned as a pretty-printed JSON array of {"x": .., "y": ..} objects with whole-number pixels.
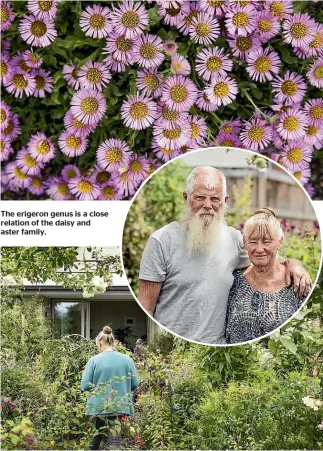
[
  {"x": 148, "y": 294},
  {"x": 301, "y": 278}
]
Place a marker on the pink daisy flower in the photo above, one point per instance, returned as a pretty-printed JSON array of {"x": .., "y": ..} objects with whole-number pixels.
[
  {"x": 149, "y": 82},
  {"x": 180, "y": 65},
  {"x": 5, "y": 114},
  {"x": 241, "y": 20},
  {"x": 168, "y": 118},
  {"x": 84, "y": 188},
  {"x": 16, "y": 177},
  {"x": 5, "y": 148},
  {"x": 292, "y": 124},
  {"x": 242, "y": 46},
  {"x": 204, "y": 30},
  {"x": 5, "y": 46},
  {"x": 20, "y": 83},
  {"x": 263, "y": 64},
  {"x": 76, "y": 127},
  {"x": 138, "y": 112},
  {"x": 94, "y": 75},
  {"x": 100, "y": 176},
  {"x": 266, "y": 26},
  {"x": 212, "y": 61},
  {"x": 110, "y": 191},
  {"x": 71, "y": 76},
  {"x": 302, "y": 175},
  {"x": 12, "y": 130},
  {"x": 95, "y": 22},
  {"x": 44, "y": 82},
  {"x": 222, "y": 90},
  {"x": 41, "y": 148},
  {"x": 57, "y": 189},
  {"x": 315, "y": 73},
  {"x": 227, "y": 140},
  {"x": 36, "y": 185},
  {"x": 7, "y": 15},
  {"x": 214, "y": 8},
  {"x": 137, "y": 168},
  {"x": 18, "y": 62},
  {"x": 153, "y": 165},
  {"x": 298, "y": 29},
  {"x": 179, "y": 93},
  {"x": 170, "y": 47},
  {"x": 70, "y": 172},
  {"x": 88, "y": 106},
  {"x": 313, "y": 109},
  {"x": 256, "y": 135},
  {"x": 296, "y": 156},
  {"x": 32, "y": 59},
  {"x": 120, "y": 47},
  {"x": 310, "y": 190},
  {"x": 290, "y": 89},
  {"x": 43, "y": 9},
  {"x": 314, "y": 136},
  {"x": 173, "y": 14},
  {"x": 27, "y": 163},
  {"x": 130, "y": 20},
  {"x": 198, "y": 131},
  {"x": 115, "y": 65},
  {"x": 126, "y": 184},
  {"x": 279, "y": 9},
  {"x": 163, "y": 153},
  {"x": 148, "y": 51},
  {"x": 172, "y": 138},
  {"x": 315, "y": 47},
  {"x": 37, "y": 32},
  {"x": 183, "y": 24},
  {"x": 113, "y": 154},
  {"x": 5, "y": 69},
  {"x": 72, "y": 145},
  {"x": 233, "y": 126},
  {"x": 204, "y": 103}
]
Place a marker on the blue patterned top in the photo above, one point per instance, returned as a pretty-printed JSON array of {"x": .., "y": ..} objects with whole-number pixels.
[{"x": 252, "y": 314}]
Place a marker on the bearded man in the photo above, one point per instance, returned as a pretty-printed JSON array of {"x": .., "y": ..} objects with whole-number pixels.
[{"x": 187, "y": 265}]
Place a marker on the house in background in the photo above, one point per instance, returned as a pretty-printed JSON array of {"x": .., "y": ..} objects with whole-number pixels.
[{"x": 69, "y": 313}]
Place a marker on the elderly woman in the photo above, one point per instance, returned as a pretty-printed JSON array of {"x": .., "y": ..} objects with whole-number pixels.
[
  {"x": 111, "y": 377},
  {"x": 259, "y": 299}
]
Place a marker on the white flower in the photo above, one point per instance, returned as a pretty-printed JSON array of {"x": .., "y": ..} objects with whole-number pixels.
[
  {"x": 88, "y": 292},
  {"x": 99, "y": 285},
  {"x": 10, "y": 280},
  {"x": 312, "y": 402}
]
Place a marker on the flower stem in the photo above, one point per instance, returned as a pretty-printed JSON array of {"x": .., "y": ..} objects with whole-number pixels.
[
  {"x": 255, "y": 106},
  {"x": 217, "y": 119}
]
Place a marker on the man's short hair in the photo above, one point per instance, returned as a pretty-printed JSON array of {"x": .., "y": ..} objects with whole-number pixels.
[{"x": 193, "y": 175}]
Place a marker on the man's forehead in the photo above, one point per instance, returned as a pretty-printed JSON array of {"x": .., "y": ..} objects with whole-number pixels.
[{"x": 210, "y": 189}]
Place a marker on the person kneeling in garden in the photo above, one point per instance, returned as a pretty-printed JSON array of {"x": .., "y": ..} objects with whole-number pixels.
[{"x": 110, "y": 377}]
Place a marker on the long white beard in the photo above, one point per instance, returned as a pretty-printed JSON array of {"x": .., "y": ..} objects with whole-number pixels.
[{"x": 203, "y": 230}]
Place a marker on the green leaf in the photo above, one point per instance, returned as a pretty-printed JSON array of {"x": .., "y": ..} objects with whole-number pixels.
[{"x": 289, "y": 345}]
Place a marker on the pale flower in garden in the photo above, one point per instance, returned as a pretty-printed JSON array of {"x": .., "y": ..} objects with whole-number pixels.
[{"x": 313, "y": 403}]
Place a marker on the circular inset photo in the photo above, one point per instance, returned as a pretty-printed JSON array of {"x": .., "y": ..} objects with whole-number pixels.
[{"x": 221, "y": 246}]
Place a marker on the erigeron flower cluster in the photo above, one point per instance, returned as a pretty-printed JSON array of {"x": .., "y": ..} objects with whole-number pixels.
[{"x": 182, "y": 93}]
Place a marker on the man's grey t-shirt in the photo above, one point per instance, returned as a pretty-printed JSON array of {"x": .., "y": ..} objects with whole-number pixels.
[{"x": 195, "y": 287}]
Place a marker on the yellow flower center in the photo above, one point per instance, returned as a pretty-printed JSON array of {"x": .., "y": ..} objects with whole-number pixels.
[
  {"x": 256, "y": 133},
  {"x": 173, "y": 12},
  {"x": 312, "y": 130},
  {"x": 4, "y": 14},
  {"x": 243, "y": 43},
  {"x": 195, "y": 130},
  {"x": 71, "y": 173},
  {"x": 45, "y": 5},
  {"x": 2, "y": 145},
  {"x": 189, "y": 18},
  {"x": 43, "y": 147},
  {"x": 177, "y": 66},
  {"x": 3, "y": 69},
  {"x": 38, "y": 28},
  {"x": 85, "y": 186},
  {"x": 318, "y": 72},
  {"x": 89, "y": 105},
  {"x": 29, "y": 161},
  {"x": 9, "y": 128},
  {"x": 263, "y": 64},
  {"x": 221, "y": 89},
  {"x": 227, "y": 129},
  {"x": 148, "y": 51},
  {"x": 277, "y": 9},
  {"x": 36, "y": 182},
  {"x": 316, "y": 112},
  {"x": 213, "y": 63},
  {"x": 19, "y": 174},
  {"x": 169, "y": 115},
  {"x": 317, "y": 41},
  {"x": 73, "y": 142},
  {"x": 298, "y": 30},
  {"x": 108, "y": 192},
  {"x": 62, "y": 189},
  {"x": 166, "y": 151},
  {"x": 124, "y": 177},
  {"x": 130, "y": 19},
  {"x": 240, "y": 19},
  {"x": 289, "y": 88},
  {"x": 291, "y": 124},
  {"x": 19, "y": 81},
  {"x": 178, "y": 93},
  {"x": 135, "y": 166},
  {"x": 264, "y": 25},
  {"x": 203, "y": 29},
  {"x": 94, "y": 75},
  {"x": 297, "y": 175},
  {"x": 215, "y": 3},
  {"x": 114, "y": 155},
  {"x": 23, "y": 65},
  {"x": 151, "y": 82},
  {"x": 34, "y": 58},
  {"x": 227, "y": 143},
  {"x": 123, "y": 44},
  {"x": 184, "y": 149},
  {"x": 138, "y": 110},
  {"x": 74, "y": 74},
  {"x": 151, "y": 170},
  {"x": 97, "y": 21},
  {"x": 40, "y": 82},
  {"x": 102, "y": 177},
  {"x": 172, "y": 134},
  {"x": 3, "y": 115},
  {"x": 295, "y": 155},
  {"x": 78, "y": 124}
]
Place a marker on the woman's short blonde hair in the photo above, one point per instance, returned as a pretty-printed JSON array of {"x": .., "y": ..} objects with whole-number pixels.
[{"x": 263, "y": 224}]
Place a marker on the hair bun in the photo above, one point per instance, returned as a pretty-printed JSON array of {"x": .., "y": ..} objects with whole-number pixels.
[
  {"x": 265, "y": 210},
  {"x": 107, "y": 330}
]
